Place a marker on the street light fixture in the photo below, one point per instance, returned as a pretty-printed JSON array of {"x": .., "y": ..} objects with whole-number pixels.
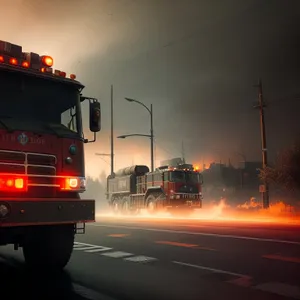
[
  {"x": 134, "y": 134},
  {"x": 151, "y": 136},
  {"x": 129, "y": 99}
]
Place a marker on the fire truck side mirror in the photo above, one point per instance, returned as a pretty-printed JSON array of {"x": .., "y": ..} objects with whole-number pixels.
[{"x": 95, "y": 116}]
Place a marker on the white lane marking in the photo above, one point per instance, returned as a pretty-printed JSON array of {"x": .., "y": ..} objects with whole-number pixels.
[
  {"x": 200, "y": 233},
  {"x": 86, "y": 248},
  {"x": 89, "y": 294},
  {"x": 117, "y": 254},
  {"x": 140, "y": 259},
  {"x": 211, "y": 269},
  {"x": 90, "y": 248},
  {"x": 78, "y": 246},
  {"x": 99, "y": 249},
  {"x": 280, "y": 289}
]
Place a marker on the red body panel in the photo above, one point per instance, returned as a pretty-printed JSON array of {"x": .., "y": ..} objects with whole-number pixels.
[{"x": 28, "y": 212}]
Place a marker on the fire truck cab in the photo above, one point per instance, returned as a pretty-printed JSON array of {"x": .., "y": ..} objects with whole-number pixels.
[{"x": 42, "y": 171}]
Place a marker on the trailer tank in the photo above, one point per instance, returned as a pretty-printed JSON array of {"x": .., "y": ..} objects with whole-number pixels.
[{"x": 124, "y": 182}]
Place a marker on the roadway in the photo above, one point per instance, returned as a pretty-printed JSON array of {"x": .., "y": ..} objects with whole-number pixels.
[{"x": 121, "y": 258}]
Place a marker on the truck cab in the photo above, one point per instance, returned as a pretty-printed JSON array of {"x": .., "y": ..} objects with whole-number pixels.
[
  {"x": 42, "y": 171},
  {"x": 182, "y": 187},
  {"x": 178, "y": 182}
]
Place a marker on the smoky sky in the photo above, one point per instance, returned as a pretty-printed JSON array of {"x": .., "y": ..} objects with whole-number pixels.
[{"x": 196, "y": 61}]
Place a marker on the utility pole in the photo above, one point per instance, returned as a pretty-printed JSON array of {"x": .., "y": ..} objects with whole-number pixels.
[
  {"x": 152, "y": 138},
  {"x": 111, "y": 132},
  {"x": 261, "y": 105}
]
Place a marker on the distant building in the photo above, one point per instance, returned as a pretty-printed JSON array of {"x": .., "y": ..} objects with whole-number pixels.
[
  {"x": 222, "y": 180},
  {"x": 250, "y": 174}
]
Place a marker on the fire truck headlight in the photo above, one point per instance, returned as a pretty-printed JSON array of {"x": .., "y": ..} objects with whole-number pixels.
[
  {"x": 177, "y": 196},
  {"x": 4, "y": 210},
  {"x": 76, "y": 184}
]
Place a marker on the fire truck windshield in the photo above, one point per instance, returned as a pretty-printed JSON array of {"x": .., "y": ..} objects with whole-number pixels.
[
  {"x": 186, "y": 177},
  {"x": 38, "y": 104}
]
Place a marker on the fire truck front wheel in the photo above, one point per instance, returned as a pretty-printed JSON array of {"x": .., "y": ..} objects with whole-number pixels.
[
  {"x": 151, "y": 204},
  {"x": 49, "y": 248}
]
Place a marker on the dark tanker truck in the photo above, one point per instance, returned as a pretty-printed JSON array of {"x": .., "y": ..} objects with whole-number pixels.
[{"x": 174, "y": 189}]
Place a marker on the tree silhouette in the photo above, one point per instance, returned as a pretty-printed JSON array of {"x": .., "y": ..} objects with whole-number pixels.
[{"x": 286, "y": 172}]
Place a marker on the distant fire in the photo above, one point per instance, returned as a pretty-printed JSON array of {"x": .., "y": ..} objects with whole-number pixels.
[{"x": 251, "y": 211}]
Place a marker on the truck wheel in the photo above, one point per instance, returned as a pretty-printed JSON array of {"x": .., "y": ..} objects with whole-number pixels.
[
  {"x": 49, "y": 248},
  {"x": 151, "y": 204},
  {"x": 125, "y": 206},
  {"x": 115, "y": 207}
]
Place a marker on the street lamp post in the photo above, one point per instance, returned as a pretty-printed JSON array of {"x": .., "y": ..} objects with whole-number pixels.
[{"x": 150, "y": 110}]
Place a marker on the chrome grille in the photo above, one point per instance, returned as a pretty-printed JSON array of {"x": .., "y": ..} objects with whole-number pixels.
[
  {"x": 12, "y": 156},
  {"x": 12, "y": 168},
  {"x": 40, "y": 168},
  {"x": 41, "y": 159}
]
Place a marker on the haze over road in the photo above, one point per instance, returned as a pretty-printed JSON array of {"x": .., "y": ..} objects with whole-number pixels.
[{"x": 121, "y": 258}]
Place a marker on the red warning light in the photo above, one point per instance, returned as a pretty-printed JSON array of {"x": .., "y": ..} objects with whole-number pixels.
[
  {"x": 73, "y": 76},
  {"x": 25, "y": 64},
  {"x": 13, "y": 61},
  {"x": 12, "y": 183},
  {"x": 47, "y": 61},
  {"x": 1, "y": 59},
  {"x": 62, "y": 74}
]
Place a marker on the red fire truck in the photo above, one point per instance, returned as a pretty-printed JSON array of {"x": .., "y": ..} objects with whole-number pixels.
[
  {"x": 168, "y": 188},
  {"x": 42, "y": 158}
]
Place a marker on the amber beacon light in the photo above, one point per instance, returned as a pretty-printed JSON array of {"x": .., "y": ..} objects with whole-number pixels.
[{"x": 47, "y": 61}]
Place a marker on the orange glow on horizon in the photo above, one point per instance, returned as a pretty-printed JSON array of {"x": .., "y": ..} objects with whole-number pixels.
[{"x": 249, "y": 212}]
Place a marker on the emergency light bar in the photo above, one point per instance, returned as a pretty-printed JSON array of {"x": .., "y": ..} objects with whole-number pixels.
[{"x": 11, "y": 54}]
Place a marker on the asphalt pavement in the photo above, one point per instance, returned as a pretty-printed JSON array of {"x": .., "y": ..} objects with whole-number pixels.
[{"x": 138, "y": 258}]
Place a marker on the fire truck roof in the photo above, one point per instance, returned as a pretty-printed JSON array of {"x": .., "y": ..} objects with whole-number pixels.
[
  {"x": 13, "y": 59},
  {"x": 33, "y": 73}
]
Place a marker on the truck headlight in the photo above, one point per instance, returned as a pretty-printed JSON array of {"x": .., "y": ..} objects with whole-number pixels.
[{"x": 76, "y": 184}]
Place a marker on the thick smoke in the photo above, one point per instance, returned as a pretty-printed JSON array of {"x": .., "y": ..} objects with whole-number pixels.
[{"x": 196, "y": 61}]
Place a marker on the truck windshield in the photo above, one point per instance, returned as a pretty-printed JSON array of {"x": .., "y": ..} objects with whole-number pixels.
[
  {"x": 37, "y": 104},
  {"x": 186, "y": 177}
]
